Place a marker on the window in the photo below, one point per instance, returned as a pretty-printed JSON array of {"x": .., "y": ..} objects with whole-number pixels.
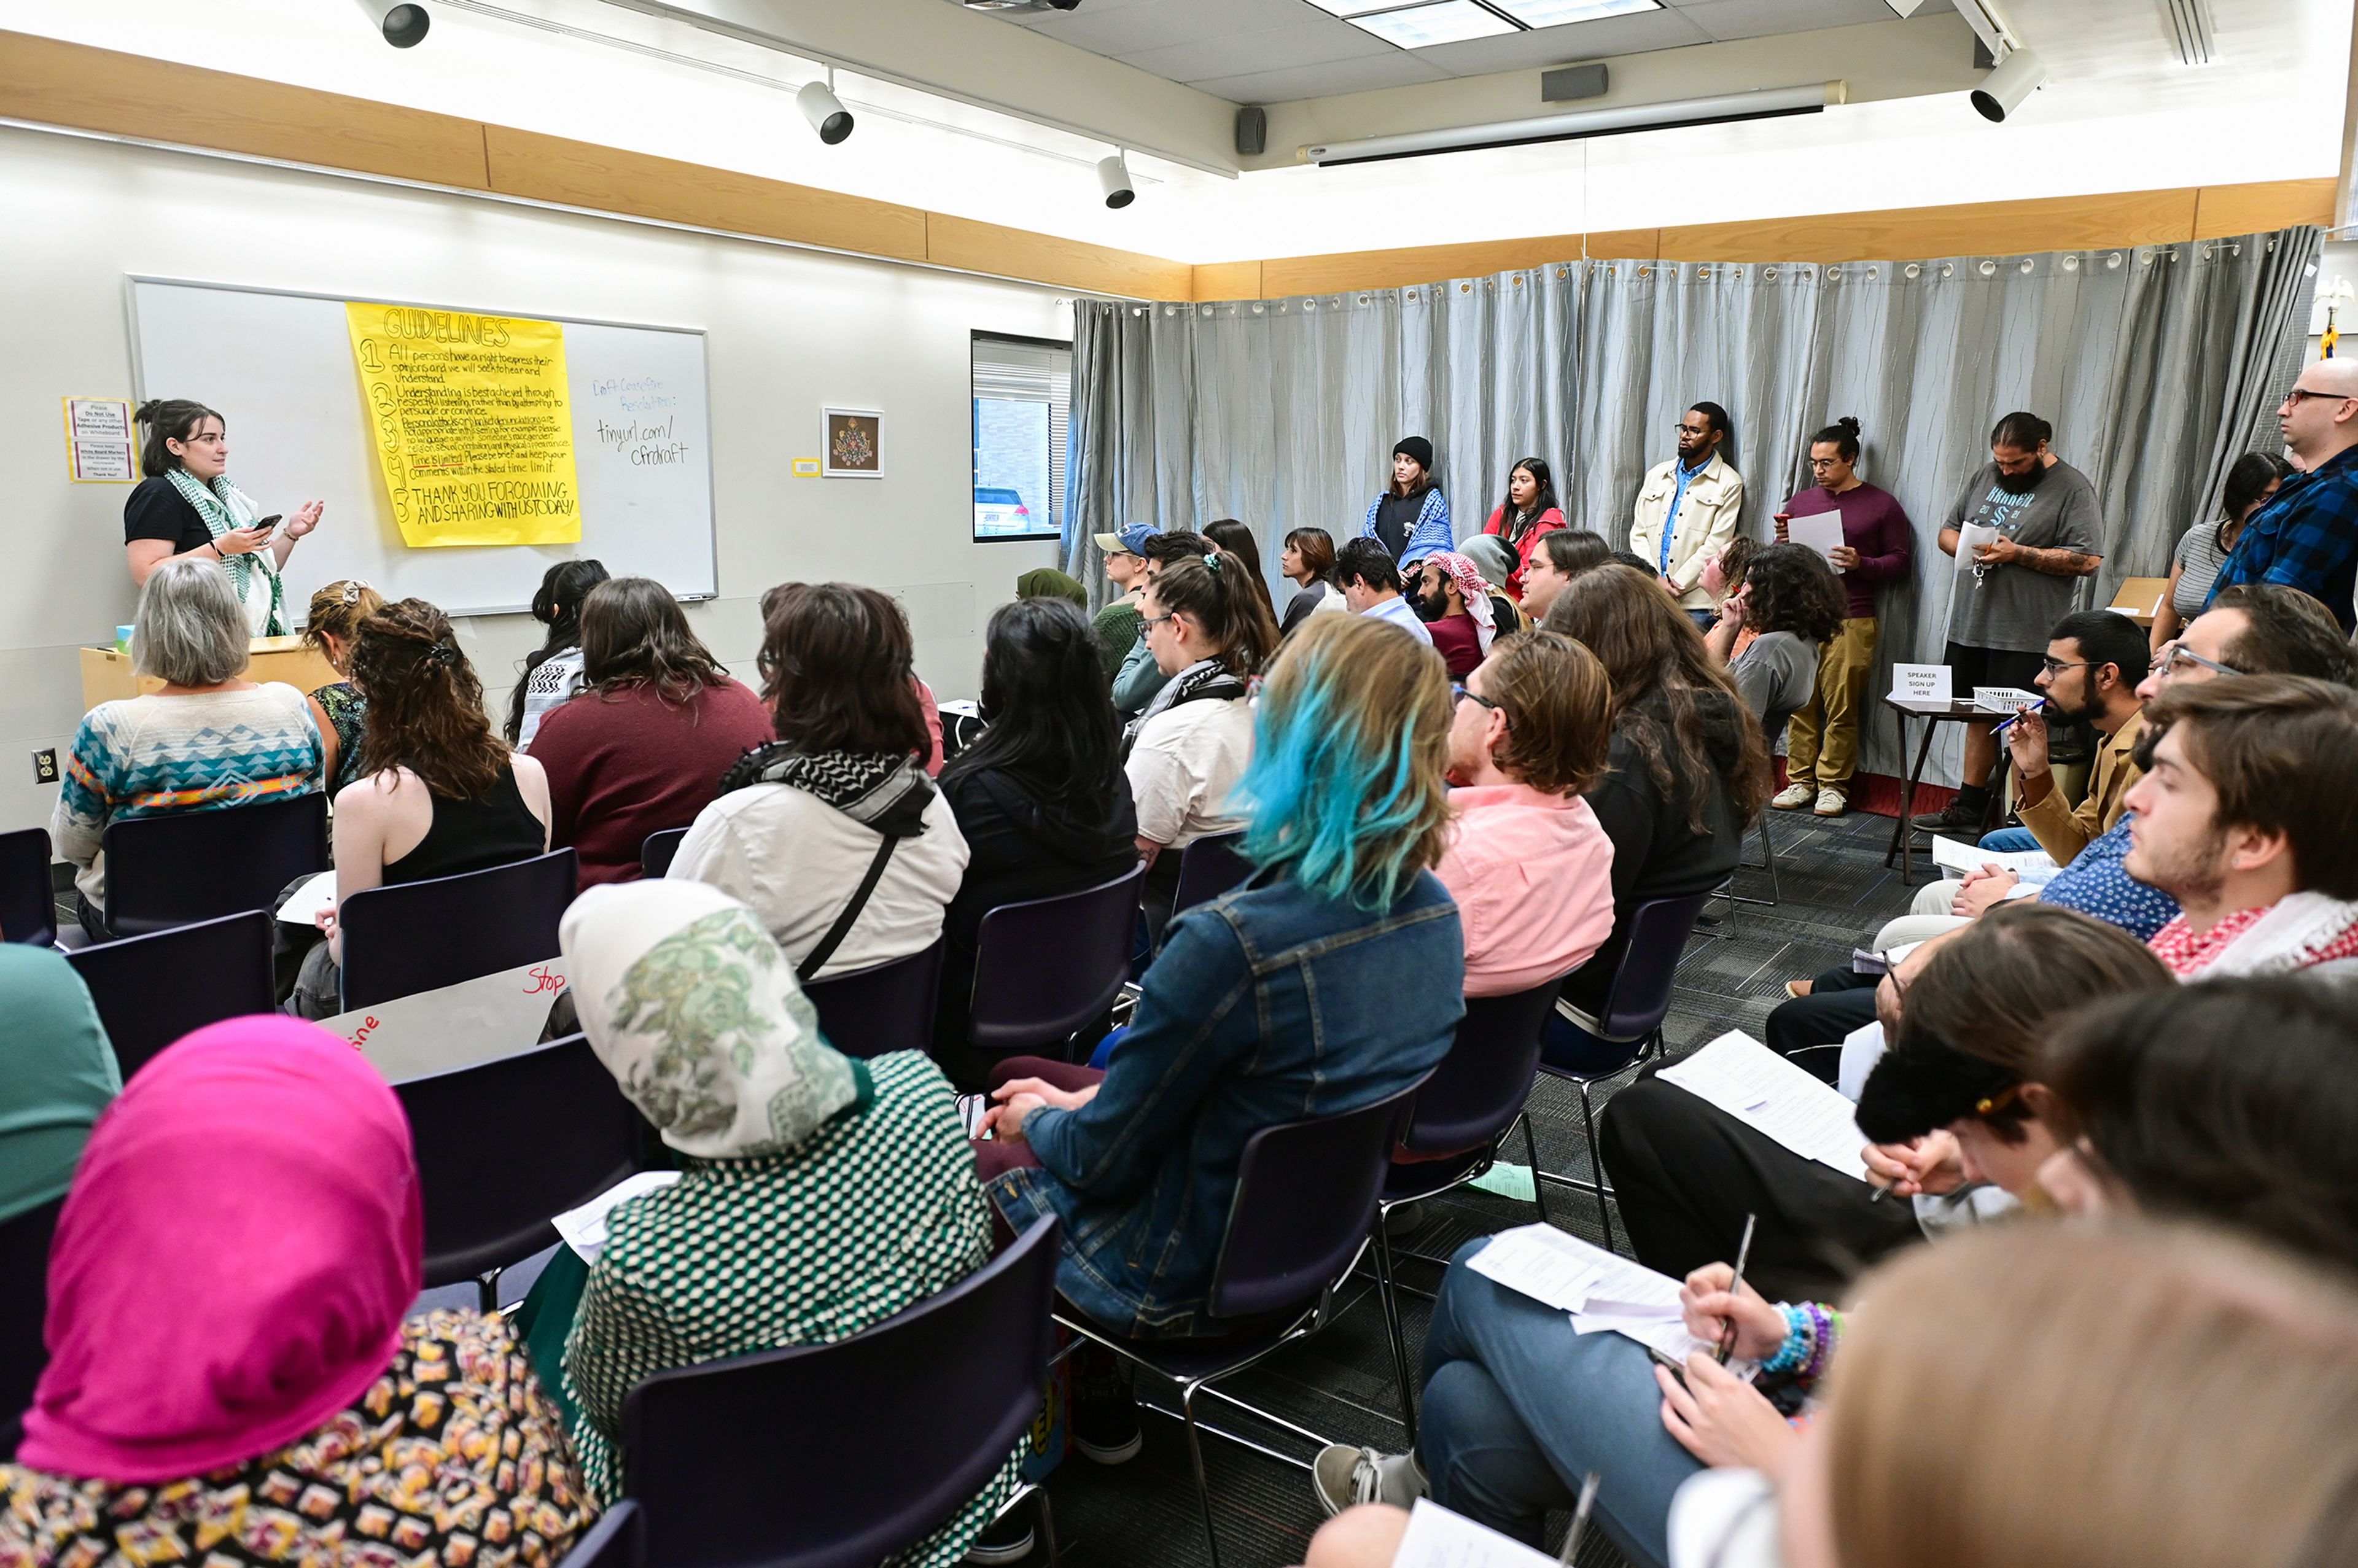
[{"x": 1022, "y": 408}]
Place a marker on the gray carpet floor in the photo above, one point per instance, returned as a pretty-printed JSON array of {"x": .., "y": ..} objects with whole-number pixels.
[{"x": 1833, "y": 891}]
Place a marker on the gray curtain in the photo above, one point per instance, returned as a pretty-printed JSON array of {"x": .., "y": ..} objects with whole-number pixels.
[{"x": 2158, "y": 366}]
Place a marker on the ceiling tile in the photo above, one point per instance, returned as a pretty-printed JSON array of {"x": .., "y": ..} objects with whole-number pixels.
[
  {"x": 1581, "y": 40},
  {"x": 1435, "y": 23},
  {"x": 1394, "y": 67},
  {"x": 1234, "y": 54},
  {"x": 1134, "y": 29},
  {"x": 1723, "y": 19}
]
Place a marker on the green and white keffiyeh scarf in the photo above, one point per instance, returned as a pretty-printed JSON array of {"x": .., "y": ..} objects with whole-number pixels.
[
  {"x": 687, "y": 1000},
  {"x": 254, "y": 575}
]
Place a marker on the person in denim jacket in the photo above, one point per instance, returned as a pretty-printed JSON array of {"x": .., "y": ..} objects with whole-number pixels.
[{"x": 1331, "y": 979}]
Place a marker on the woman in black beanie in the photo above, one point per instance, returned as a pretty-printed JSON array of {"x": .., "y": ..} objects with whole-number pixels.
[{"x": 1411, "y": 516}]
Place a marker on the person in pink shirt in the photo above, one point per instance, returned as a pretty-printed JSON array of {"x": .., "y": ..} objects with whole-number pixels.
[{"x": 1528, "y": 862}]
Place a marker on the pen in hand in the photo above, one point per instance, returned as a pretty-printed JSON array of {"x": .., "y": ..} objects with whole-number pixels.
[
  {"x": 1579, "y": 1518},
  {"x": 1735, "y": 1288}
]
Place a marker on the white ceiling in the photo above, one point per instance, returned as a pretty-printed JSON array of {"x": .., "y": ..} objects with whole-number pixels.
[{"x": 1273, "y": 51}]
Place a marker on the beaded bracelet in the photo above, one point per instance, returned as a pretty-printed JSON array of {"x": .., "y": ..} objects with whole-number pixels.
[
  {"x": 1827, "y": 1324},
  {"x": 1800, "y": 1340}
]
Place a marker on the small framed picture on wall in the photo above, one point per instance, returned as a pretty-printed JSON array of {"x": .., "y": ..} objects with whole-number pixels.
[{"x": 855, "y": 443}]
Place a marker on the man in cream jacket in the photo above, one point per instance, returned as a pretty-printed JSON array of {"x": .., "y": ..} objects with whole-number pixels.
[{"x": 1686, "y": 510}]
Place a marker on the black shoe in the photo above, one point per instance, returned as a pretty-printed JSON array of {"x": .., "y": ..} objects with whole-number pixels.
[
  {"x": 1105, "y": 1425},
  {"x": 1963, "y": 815},
  {"x": 1007, "y": 1538}
]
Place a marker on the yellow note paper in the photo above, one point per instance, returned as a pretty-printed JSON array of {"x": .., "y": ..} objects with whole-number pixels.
[{"x": 473, "y": 423}]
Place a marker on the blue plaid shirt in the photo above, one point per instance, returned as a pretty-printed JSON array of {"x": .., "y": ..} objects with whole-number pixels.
[{"x": 2305, "y": 537}]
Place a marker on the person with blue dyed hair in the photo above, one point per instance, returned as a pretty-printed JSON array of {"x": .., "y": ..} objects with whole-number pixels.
[{"x": 1331, "y": 979}]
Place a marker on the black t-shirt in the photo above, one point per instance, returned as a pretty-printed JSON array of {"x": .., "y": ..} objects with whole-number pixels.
[
  {"x": 156, "y": 511},
  {"x": 1396, "y": 517}
]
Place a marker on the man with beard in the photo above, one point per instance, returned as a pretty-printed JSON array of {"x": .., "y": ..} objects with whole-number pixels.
[
  {"x": 2094, "y": 663},
  {"x": 1449, "y": 597},
  {"x": 2247, "y": 817},
  {"x": 2010, "y": 587}
]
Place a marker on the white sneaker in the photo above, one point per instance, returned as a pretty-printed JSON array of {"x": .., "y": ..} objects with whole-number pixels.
[
  {"x": 1832, "y": 802},
  {"x": 1793, "y": 797},
  {"x": 1345, "y": 1476}
]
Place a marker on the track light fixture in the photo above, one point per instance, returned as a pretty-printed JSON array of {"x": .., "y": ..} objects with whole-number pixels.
[
  {"x": 402, "y": 25},
  {"x": 2014, "y": 80},
  {"x": 1113, "y": 175},
  {"x": 825, "y": 110}
]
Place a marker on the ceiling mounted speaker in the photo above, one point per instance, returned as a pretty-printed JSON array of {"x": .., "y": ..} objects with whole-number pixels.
[{"x": 1252, "y": 131}]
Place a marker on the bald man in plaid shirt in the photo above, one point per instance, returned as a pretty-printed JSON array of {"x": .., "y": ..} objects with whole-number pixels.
[{"x": 2306, "y": 536}]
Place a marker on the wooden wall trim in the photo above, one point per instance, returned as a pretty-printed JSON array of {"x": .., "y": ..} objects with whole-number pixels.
[{"x": 47, "y": 81}]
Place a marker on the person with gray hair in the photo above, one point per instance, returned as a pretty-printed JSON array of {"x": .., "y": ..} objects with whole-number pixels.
[{"x": 207, "y": 739}]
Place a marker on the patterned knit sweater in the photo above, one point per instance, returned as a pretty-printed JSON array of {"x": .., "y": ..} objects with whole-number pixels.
[
  {"x": 145, "y": 756},
  {"x": 878, "y": 1211}
]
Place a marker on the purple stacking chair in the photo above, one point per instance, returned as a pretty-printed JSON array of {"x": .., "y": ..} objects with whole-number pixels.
[
  {"x": 656, "y": 854},
  {"x": 150, "y": 990},
  {"x": 1629, "y": 1028},
  {"x": 1047, "y": 968},
  {"x": 23, "y": 1305},
  {"x": 489, "y": 1196},
  {"x": 1208, "y": 867},
  {"x": 900, "y": 1425},
  {"x": 28, "y": 907},
  {"x": 619, "y": 1540},
  {"x": 885, "y": 1007},
  {"x": 1306, "y": 1199},
  {"x": 420, "y": 936},
  {"x": 187, "y": 866}
]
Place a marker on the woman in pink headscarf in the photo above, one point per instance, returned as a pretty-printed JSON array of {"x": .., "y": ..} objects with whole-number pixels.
[{"x": 231, "y": 1379}]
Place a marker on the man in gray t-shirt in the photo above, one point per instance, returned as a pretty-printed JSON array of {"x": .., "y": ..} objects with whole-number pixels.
[{"x": 2011, "y": 589}]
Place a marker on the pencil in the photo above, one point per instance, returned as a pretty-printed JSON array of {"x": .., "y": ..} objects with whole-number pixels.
[
  {"x": 1736, "y": 1288},
  {"x": 1579, "y": 1518}
]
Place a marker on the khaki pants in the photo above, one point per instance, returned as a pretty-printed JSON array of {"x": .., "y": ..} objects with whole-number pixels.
[{"x": 1823, "y": 739}]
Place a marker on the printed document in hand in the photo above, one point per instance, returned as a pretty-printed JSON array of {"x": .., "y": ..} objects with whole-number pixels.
[
  {"x": 1766, "y": 1092},
  {"x": 1439, "y": 1539},
  {"x": 1821, "y": 531},
  {"x": 308, "y": 901},
  {"x": 1971, "y": 538},
  {"x": 1962, "y": 856},
  {"x": 1576, "y": 1276},
  {"x": 584, "y": 1229}
]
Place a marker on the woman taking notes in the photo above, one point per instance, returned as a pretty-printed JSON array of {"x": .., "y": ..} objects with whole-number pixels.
[{"x": 186, "y": 509}]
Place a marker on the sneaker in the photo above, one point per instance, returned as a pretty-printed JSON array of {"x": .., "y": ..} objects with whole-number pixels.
[
  {"x": 1007, "y": 1538},
  {"x": 1957, "y": 820},
  {"x": 1832, "y": 802},
  {"x": 1344, "y": 1477},
  {"x": 1105, "y": 1425},
  {"x": 1403, "y": 1220},
  {"x": 1793, "y": 797}
]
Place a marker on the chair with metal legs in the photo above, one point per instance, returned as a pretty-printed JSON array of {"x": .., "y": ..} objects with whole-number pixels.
[
  {"x": 1726, "y": 890},
  {"x": 1626, "y": 1032},
  {"x": 1307, "y": 1194}
]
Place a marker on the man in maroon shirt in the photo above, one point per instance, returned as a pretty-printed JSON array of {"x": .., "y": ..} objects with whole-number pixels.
[
  {"x": 1436, "y": 591},
  {"x": 1822, "y": 742}
]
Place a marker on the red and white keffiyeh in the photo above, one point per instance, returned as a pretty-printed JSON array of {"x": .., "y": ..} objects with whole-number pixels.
[{"x": 1477, "y": 592}]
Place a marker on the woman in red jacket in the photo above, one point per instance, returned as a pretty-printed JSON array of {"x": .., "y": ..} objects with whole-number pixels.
[{"x": 1529, "y": 512}]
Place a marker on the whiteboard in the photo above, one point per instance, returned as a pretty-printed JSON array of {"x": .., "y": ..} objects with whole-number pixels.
[{"x": 280, "y": 367}]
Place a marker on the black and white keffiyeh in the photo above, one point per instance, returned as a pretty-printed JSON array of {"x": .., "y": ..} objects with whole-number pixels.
[{"x": 875, "y": 789}]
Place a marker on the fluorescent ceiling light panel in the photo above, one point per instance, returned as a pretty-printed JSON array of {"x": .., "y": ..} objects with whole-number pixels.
[
  {"x": 1421, "y": 27},
  {"x": 1556, "y": 12},
  {"x": 1351, "y": 7}
]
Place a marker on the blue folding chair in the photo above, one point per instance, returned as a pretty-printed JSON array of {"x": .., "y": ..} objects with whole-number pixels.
[
  {"x": 187, "y": 866},
  {"x": 29, "y": 905},
  {"x": 150, "y": 990},
  {"x": 619, "y": 1540},
  {"x": 489, "y": 1195},
  {"x": 421, "y": 937},
  {"x": 1626, "y": 1032},
  {"x": 23, "y": 1305},
  {"x": 1208, "y": 867},
  {"x": 1307, "y": 1194},
  {"x": 946, "y": 1387},
  {"x": 884, "y": 1008},
  {"x": 1047, "y": 968},
  {"x": 658, "y": 853}
]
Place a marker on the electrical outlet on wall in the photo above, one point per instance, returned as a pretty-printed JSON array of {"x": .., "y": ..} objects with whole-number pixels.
[{"x": 44, "y": 765}]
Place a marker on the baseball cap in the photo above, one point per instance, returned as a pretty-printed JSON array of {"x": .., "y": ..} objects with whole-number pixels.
[{"x": 1131, "y": 541}]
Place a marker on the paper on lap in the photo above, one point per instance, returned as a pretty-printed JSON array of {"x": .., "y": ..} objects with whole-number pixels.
[
  {"x": 1564, "y": 1271},
  {"x": 1769, "y": 1093},
  {"x": 1960, "y": 856},
  {"x": 584, "y": 1229},
  {"x": 313, "y": 899},
  {"x": 1439, "y": 1539}
]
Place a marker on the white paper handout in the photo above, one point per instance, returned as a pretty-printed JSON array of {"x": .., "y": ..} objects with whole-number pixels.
[
  {"x": 314, "y": 898},
  {"x": 1959, "y": 856},
  {"x": 1971, "y": 539},
  {"x": 1439, "y": 1539},
  {"x": 584, "y": 1229},
  {"x": 1564, "y": 1271},
  {"x": 1821, "y": 531},
  {"x": 1769, "y": 1093},
  {"x": 1919, "y": 683}
]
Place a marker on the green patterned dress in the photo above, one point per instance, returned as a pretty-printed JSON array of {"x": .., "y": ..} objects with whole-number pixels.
[{"x": 878, "y": 1211}]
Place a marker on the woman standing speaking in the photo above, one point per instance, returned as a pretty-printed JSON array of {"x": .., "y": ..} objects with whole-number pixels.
[{"x": 187, "y": 507}]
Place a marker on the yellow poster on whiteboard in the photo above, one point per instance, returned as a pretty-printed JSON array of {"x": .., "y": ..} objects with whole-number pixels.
[{"x": 473, "y": 423}]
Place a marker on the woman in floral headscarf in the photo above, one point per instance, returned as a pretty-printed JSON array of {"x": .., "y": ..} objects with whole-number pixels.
[{"x": 823, "y": 1193}]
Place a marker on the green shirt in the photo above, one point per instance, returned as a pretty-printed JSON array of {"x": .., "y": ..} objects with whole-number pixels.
[{"x": 1116, "y": 628}]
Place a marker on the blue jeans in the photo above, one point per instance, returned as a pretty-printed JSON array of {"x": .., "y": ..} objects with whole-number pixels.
[
  {"x": 1517, "y": 1408},
  {"x": 1704, "y": 619},
  {"x": 2009, "y": 840}
]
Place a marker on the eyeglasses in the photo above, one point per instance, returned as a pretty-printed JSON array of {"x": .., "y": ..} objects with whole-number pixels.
[
  {"x": 2177, "y": 654},
  {"x": 1697, "y": 431},
  {"x": 1151, "y": 622},
  {"x": 1460, "y": 694},
  {"x": 1824, "y": 463},
  {"x": 2301, "y": 395},
  {"x": 2057, "y": 667}
]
